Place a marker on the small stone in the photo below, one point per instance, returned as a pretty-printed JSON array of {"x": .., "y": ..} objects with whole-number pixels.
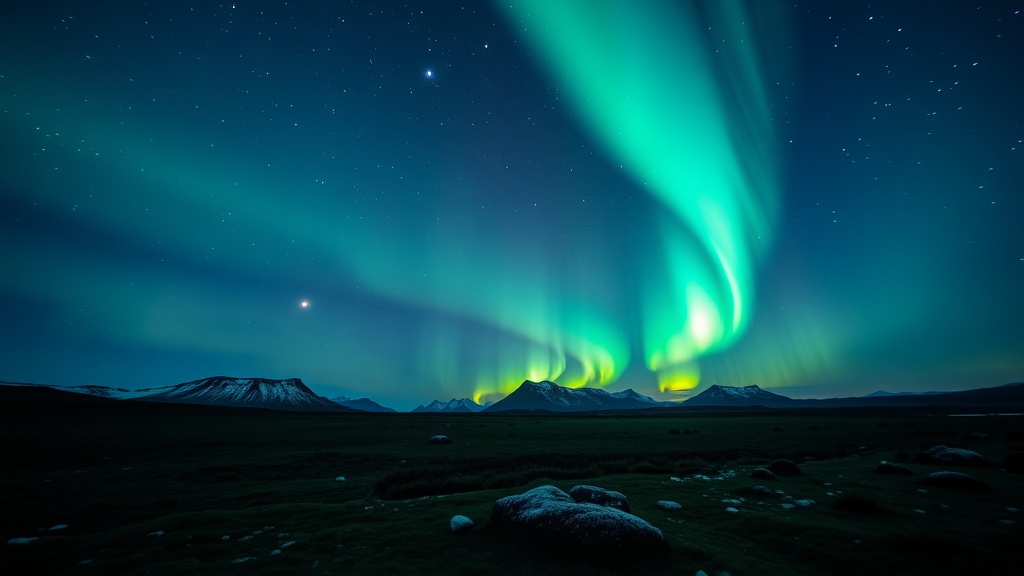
[
  {"x": 669, "y": 505},
  {"x": 243, "y": 559},
  {"x": 340, "y": 478},
  {"x": 918, "y": 510},
  {"x": 20, "y": 541},
  {"x": 804, "y": 502},
  {"x": 287, "y": 544},
  {"x": 225, "y": 538},
  {"x": 894, "y": 469},
  {"x": 701, "y": 573},
  {"x": 275, "y": 552},
  {"x": 460, "y": 523},
  {"x": 1007, "y": 521},
  {"x": 675, "y": 479},
  {"x": 440, "y": 439},
  {"x": 57, "y": 527},
  {"x": 731, "y": 509},
  {"x": 157, "y": 533},
  {"x": 787, "y": 506}
]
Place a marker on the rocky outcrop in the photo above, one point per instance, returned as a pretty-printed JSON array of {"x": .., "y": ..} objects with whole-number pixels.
[{"x": 548, "y": 517}]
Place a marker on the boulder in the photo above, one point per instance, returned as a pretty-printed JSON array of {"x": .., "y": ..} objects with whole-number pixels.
[
  {"x": 1013, "y": 462},
  {"x": 945, "y": 455},
  {"x": 763, "y": 474},
  {"x": 550, "y": 518},
  {"x": 440, "y": 439},
  {"x": 894, "y": 469},
  {"x": 460, "y": 523},
  {"x": 783, "y": 467},
  {"x": 946, "y": 479},
  {"x": 599, "y": 496}
]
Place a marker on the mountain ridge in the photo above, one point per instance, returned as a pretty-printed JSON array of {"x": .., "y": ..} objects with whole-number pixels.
[
  {"x": 462, "y": 405},
  {"x": 361, "y": 404},
  {"x": 289, "y": 394},
  {"x": 549, "y": 396}
]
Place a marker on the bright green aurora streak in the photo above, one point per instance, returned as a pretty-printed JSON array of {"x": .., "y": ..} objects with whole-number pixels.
[{"x": 676, "y": 94}]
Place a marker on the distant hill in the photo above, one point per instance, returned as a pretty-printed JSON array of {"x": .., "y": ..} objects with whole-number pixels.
[
  {"x": 289, "y": 394},
  {"x": 1008, "y": 396},
  {"x": 89, "y": 390},
  {"x": 883, "y": 393},
  {"x": 736, "y": 396},
  {"x": 453, "y": 405},
  {"x": 363, "y": 404},
  {"x": 552, "y": 397}
]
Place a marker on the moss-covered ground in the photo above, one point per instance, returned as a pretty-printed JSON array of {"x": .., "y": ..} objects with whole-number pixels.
[{"x": 161, "y": 489}]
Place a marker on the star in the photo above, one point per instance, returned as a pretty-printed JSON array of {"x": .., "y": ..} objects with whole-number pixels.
[
  {"x": 429, "y": 73},
  {"x": 304, "y": 304}
]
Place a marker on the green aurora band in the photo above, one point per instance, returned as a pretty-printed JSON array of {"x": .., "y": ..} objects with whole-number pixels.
[
  {"x": 683, "y": 106},
  {"x": 494, "y": 306}
]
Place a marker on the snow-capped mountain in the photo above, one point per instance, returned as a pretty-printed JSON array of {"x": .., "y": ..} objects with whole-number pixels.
[
  {"x": 453, "y": 405},
  {"x": 288, "y": 394},
  {"x": 735, "y": 396},
  {"x": 550, "y": 396},
  {"x": 362, "y": 404}
]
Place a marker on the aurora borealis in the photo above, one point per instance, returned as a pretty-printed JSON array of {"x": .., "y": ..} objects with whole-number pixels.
[{"x": 824, "y": 199}]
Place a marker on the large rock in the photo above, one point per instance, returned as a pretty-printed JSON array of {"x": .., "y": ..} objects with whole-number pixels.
[
  {"x": 600, "y": 496},
  {"x": 763, "y": 474},
  {"x": 548, "y": 517},
  {"x": 945, "y": 455},
  {"x": 946, "y": 479},
  {"x": 783, "y": 467}
]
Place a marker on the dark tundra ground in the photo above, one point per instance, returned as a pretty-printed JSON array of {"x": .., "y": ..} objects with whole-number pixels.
[{"x": 168, "y": 489}]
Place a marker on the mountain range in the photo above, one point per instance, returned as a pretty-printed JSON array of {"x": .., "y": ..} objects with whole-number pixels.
[
  {"x": 550, "y": 396},
  {"x": 453, "y": 405},
  {"x": 293, "y": 395}
]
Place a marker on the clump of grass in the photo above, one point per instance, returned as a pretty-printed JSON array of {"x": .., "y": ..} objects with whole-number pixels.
[
  {"x": 858, "y": 503},
  {"x": 471, "y": 474},
  {"x": 902, "y": 455}
]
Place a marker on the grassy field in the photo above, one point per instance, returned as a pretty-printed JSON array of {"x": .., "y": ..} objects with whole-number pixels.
[{"x": 164, "y": 489}]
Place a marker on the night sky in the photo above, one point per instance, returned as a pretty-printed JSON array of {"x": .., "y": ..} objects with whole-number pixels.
[{"x": 423, "y": 201}]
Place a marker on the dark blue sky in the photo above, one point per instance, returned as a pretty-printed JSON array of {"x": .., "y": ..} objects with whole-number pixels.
[{"x": 823, "y": 198}]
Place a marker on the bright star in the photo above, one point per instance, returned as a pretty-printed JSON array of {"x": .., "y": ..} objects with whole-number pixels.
[
  {"x": 429, "y": 73},
  {"x": 304, "y": 304}
]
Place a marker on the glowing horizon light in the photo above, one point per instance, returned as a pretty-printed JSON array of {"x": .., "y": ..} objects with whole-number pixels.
[{"x": 692, "y": 126}]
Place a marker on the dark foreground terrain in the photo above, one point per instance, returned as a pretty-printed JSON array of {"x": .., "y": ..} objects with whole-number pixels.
[{"x": 109, "y": 487}]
